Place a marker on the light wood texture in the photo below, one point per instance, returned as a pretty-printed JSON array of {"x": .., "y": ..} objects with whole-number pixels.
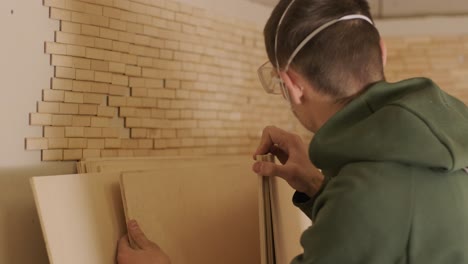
[
  {"x": 198, "y": 214},
  {"x": 266, "y": 215},
  {"x": 81, "y": 217},
  {"x": 281, "y": 223},
  {"x": 93, "y": 165},
  {"x": 288, "y": 222}
]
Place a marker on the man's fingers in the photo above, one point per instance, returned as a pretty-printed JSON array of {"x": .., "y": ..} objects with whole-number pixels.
[
  {"x": 272, "y": 136},
  {"x": 270, "y": 169},
  {"x": 124, "y": 244},
  {"x": 138, "y": 236}
]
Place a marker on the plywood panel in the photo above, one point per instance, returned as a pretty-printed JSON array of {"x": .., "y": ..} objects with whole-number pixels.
[
  {"x": 150, "y": 163},
  {"x": 81, "y": 217},
  {"x": 265, "y": 194},
  {"x": 281, "y": 223},
  {"x": 207, "y": 214},
  {"x": 288, "y": 222}
]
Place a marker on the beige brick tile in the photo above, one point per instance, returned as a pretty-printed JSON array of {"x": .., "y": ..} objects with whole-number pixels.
[
  {"x": 61, "y": 120},
  {"x": 91, "y": 153},
  {"x": 98, "y": 99},
  {"x": 96, "y": 143},
  {"x": 72, "y": 154},
  {"x": 58, "y": 143},
  {"x": 71, "y": 62},
  {"x": 81, "y": 121},
  {"x": 48, "y": 107},
  {"x": 70, "y": 27},
  {"x": 100, "y": 122},
  {"x": 119, "y": 90},
  {"x": 120, "y": 46},
  {"x": 111, "y": 143},
  {"x": 101, "y": 43},
  {"x": 98, "y": 65},
  {"x": 118, "y": 79},
  {"x": 102, "y": 88},
  {"x": 62, "y": 84},
  {"x": 52, "y": 155},
  {"x": 63, "y": 72},
  {"x": 68, "y": 108},
  {"x": 93, "y": 132},
  {"x": 37, "y": 143},
  {"x": 95, "y": 20},
  {"x": 117, "y": 101},
  {"x": 74, "y": 39},
  {"x": 117, "y": 24},
  {"x": 87, "y": 109},
  {"x": 60, "y": 14},
  {"x": 86, "y": 75},
  {"x": 106, "y": 111},
  {"x": 54, "y": 132},
  {"x": 55, "y": 48},
  {"x": 77, "y": 143},
  {"x": 117, "y": 67},
  {"x": 89, "y": 30},
  {"x": 82, "y": 86},
  {"x": 105, "y": 77},
  {"x": 111, "y": 132},
  {"x": 74, "y": 132}
]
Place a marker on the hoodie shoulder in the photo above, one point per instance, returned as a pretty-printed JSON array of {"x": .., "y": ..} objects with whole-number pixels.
[
  {"x": 444, "y": 115},
  {"x": 412, "y": 122}
]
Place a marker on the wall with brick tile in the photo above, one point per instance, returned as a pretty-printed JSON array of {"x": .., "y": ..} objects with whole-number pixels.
[
  {"x": 441, "y": 58},
  {"x": 152, "y": 78},
  {"x": 434, "y": 47}
]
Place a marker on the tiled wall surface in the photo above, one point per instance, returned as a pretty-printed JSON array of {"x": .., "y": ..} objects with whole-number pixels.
[
  {"x": 443, "y": 59},
  {"x": 152, "y": 77},
  {"x": 157, "y": 77}
]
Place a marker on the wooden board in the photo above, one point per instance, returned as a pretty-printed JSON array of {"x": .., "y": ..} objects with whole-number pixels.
[
  {"x": 281, "y": 223},
  {"x": 75, "y": 206},
  {"x": 133, "y": 165},
  {"x": 206, "y": 214},
  {"x": 288, "y": 222},
  {"x": 139, "y": 163},
  {"x": 267, "y": 241},
  {"x": 81, "y": 217}
]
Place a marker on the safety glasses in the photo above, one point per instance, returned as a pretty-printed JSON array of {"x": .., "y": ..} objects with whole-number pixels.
[
  {"x": 271, "y": 81},
  {"x": 269, "y": 74}
]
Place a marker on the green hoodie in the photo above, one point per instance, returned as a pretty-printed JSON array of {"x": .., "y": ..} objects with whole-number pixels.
[{"x": 396, "y": 190}]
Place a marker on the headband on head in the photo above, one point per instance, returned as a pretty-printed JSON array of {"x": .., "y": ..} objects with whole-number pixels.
[{"x": 311, "y": 35}]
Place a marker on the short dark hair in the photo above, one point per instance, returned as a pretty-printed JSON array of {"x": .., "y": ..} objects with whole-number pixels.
[{"x": 341, "y": 58}]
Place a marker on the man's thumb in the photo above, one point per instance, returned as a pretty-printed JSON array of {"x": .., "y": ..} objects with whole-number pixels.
[
  {"x": 268, "y": 169},
  {"x": 137, "y": 235}
]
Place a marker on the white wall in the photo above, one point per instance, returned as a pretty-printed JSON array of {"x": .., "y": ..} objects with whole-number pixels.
[{"x": 25, "y": 71}]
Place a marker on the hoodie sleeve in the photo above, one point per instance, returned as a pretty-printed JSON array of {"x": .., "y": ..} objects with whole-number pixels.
[
  {"x": 362, "y": 216},
  {"x": 306, "y": 203}
]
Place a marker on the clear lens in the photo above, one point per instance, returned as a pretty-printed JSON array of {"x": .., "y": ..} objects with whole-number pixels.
[{"x": 269, "y": 78}]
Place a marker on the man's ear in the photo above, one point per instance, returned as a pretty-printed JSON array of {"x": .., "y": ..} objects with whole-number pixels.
[
  {"x": 383, "y": 47},
  {"x": 296, "y": 92}
]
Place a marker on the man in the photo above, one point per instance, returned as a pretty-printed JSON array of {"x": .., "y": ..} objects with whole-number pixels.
[{"x": 394, "y": 187}]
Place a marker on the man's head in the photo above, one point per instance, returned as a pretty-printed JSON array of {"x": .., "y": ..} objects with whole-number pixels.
[{"x": 335, "y": 65}]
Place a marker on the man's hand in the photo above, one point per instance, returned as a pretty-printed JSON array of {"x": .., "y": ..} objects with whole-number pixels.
[
  {"x": 148, "y": 252},
  {"x": 297, "y": 169}
]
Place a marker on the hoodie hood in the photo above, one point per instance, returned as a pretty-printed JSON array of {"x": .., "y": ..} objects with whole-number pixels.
[{"x": 411, "y": 122}]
